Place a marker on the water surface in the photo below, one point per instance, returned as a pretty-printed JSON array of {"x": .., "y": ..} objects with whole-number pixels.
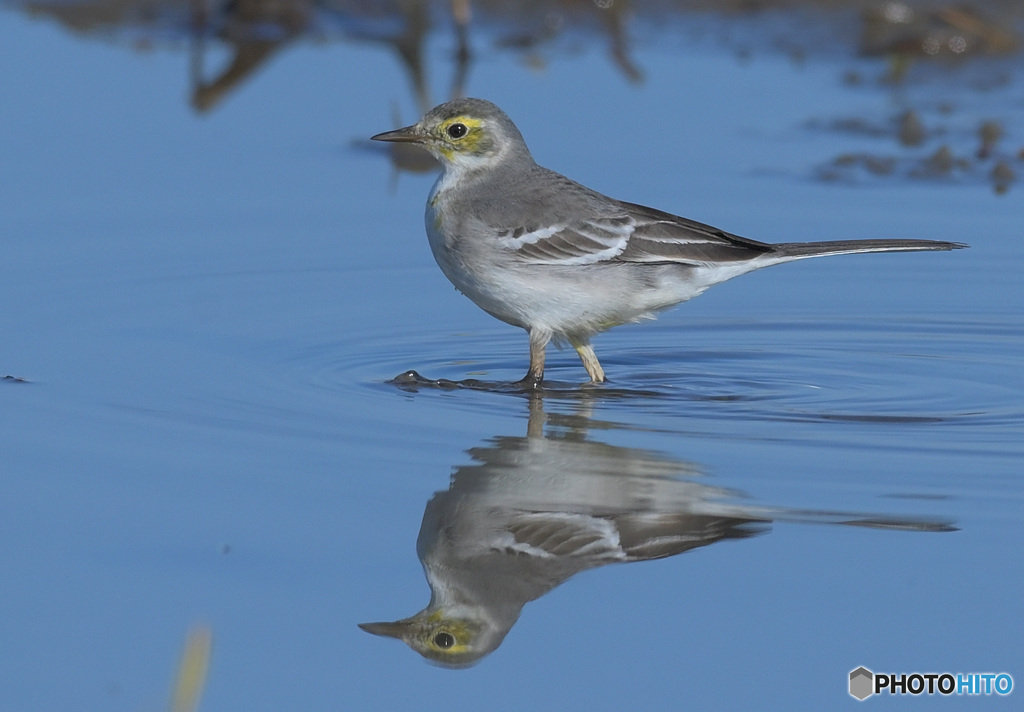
[{"x": 206, "y": 288}]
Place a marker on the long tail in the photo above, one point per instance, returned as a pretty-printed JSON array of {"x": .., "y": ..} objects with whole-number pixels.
[{"x": 799, "y": 250}]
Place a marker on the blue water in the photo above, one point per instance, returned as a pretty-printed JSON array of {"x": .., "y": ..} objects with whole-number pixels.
[{"x": 200, "y": 314}]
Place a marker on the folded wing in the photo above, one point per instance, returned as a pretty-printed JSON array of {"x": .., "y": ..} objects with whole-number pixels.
[{"x": 636, "y": 234}]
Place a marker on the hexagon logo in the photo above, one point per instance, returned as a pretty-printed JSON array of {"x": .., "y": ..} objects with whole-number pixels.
[{"x": 862, "y": 683}]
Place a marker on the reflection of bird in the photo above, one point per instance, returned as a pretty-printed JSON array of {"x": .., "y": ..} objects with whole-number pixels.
[
  {"x": 542, "y": 252},
  {"x": 531, "y": 512}
]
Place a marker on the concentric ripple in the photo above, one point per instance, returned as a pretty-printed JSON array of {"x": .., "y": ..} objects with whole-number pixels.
[{"x": 800, "y": 370}]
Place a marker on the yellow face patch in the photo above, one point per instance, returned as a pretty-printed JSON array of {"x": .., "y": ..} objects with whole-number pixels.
[
  {"x": 447, "y": 637},
  {"x": 469, "y": 143}
]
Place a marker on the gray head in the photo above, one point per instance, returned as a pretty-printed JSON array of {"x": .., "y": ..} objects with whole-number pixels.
[{"x": 465, "y": 133}]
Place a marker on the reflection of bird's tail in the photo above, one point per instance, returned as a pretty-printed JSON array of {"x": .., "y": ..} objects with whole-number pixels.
[
  {"x": 799, "y": 250},
  {"x": 907, "y": 523}
]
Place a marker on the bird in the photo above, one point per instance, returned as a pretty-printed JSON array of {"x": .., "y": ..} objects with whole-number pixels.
[
  {"x": 527, "y": 513},
  {"x": 540, "y": 251}
]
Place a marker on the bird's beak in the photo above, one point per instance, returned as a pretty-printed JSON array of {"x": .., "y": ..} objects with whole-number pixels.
[
  {"x": 409, "y": 134},
  {"x": 388, "y": 630}
]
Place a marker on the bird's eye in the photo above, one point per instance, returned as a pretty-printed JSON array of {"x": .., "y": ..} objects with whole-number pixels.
[
  {"x": 457, "y": 131},
  {"x": 444, "y": 640}
]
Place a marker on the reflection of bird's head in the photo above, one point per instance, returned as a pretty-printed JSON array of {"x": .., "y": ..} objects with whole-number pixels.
[
  {"x": 458, "y": 637},
  {"x": 465, "y": 133}
]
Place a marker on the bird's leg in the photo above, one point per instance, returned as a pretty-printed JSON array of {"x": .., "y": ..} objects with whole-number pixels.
[
  {"x": 538, "y": 345},
  {"x": 535, "y": 422},
  {"x": 589, "y": 359}
]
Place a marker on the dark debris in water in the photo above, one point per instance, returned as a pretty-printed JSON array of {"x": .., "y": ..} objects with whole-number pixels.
[
  {"x": 412, "y": 381},
  {"x": 13, "y": 379},
  {"x": 670, "y": 388},
  {"x": 946, "y": 31},
  {"x": 957, "y": 158}
]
